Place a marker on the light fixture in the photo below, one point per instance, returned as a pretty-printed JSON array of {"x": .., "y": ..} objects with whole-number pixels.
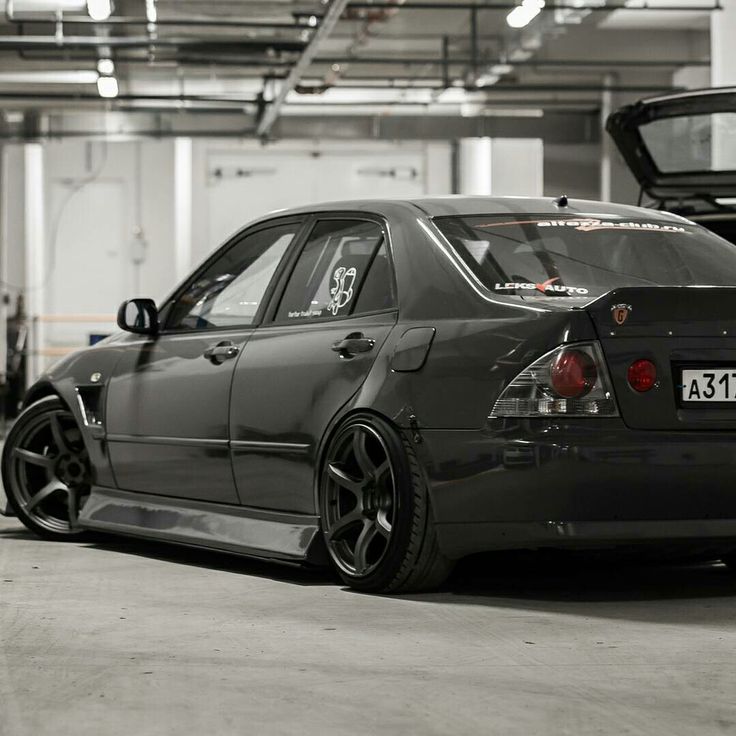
[
  {"x": 107, "y": 87},
  {"x": 99, "y": 9},
  {"x": 56, "y": 76},
  {"x": 523, "y": 14},
  {"x": 151, "y": 12},
  {"x": 501, "y": 69},
  {"x": 312, "y": 21},
  {"x": 40, "y": 6},
  {"x": 106, "y": 67},
  {"x": 486, "y": 80}
]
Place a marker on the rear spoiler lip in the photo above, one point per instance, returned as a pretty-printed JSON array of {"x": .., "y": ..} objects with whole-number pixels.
[
  {"x": 691, "y": 312},
  {"x": 633, "y": 290}
]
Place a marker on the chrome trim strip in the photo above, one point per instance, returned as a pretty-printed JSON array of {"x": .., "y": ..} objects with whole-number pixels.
[
  {"x": 277, "y": 447},
  {"x": 176, "y": 441},
  {"x": 236, "y": 529}
]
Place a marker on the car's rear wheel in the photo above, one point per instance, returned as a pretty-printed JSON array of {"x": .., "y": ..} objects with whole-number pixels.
[
  {"x": 376, "y": 518},
  {"x": 45, "y": 469}
]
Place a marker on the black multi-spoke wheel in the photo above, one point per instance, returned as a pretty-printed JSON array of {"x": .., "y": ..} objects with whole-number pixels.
[
  {"x": 375, "y": 512},
  {"x": 45, "y": 469},
  {"x": 360, "y": 500}
]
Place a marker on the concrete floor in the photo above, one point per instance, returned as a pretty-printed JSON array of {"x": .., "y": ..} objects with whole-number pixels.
[{"x": 126, "y": 637}]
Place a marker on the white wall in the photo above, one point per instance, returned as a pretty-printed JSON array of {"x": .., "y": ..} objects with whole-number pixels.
[
  {"x": 109, "y": 231},
  {"x": 255, "y": 180},
  {"x": 118, "y": 224}
]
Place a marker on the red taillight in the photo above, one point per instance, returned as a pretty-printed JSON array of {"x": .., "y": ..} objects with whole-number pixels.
[
  {"x": 642, "y": 375},
  {"x": 573, "y": 374}
]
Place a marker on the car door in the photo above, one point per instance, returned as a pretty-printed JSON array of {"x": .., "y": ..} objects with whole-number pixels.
[
  {"x": 168, "y": 400},
  {"x": 327, "y": 324}
]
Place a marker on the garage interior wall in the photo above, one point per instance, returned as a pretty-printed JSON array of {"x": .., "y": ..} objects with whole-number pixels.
[
  {"x": 130, "y": 218},
  {"x": 118, "y": 223}
]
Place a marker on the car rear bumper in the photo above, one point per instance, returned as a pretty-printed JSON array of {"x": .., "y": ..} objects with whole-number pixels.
[{"x": 539, "y": 483}]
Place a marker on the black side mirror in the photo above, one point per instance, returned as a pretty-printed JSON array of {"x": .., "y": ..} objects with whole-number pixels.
[{"x": 139, "y": 316}]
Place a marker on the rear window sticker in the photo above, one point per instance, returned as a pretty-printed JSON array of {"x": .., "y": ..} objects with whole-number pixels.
[
  {"x": 342, "y": 291},
  {"x": 546, "y": 287},
  {"x": 590, "y": 224}
]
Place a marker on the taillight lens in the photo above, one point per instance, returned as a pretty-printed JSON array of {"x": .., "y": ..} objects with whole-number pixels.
[
  {"x": 642, "y": 375},
  {"x": 570, "y": 380},
  {"x": 573, "y": 374}
]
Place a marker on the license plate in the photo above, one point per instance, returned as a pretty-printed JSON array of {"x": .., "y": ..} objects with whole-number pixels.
[{"x": 712, "y": 384}]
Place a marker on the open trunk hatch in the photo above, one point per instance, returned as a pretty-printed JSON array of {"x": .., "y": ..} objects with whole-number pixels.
[
  {"x": 689, "y": 333},
  {"x": 680, "y": 146}
]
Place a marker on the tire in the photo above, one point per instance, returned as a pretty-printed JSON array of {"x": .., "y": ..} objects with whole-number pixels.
[
  {"x": 45, "y": 470},
  {"x": 376, "y": 518}
]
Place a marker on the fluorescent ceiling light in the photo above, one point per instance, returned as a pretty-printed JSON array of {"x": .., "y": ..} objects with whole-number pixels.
[
  {"x": 82, "y": 76},
  {"x": 501, "y": 69},
  {"x": 99, "y": 9},
  {"x": 107, "y": 87},
  {"x": 525, "y": 13},
  {"x": 106, "y": 67},
  {"x": 151, "y": 12},
  {"x": 42, "y": 6},
  {"x": 520, "y": 54},
  {"x": 486, "y": 80}
]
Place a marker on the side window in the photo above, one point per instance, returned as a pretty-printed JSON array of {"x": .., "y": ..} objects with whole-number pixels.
[
  {"x": 377, "y": 291},
  {"x": 334, "y": 268},
  {"x": 229, "y": 292}
]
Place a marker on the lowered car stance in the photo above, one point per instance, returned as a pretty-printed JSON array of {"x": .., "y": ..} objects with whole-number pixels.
[{"x": 388, "y": 386}]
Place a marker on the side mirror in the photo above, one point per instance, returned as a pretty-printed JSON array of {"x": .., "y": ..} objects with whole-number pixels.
[{"x": 139, "y": 316}]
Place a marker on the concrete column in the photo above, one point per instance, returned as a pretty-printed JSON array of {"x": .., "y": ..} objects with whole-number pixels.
[
  {"x": 35, "y": 252},
  {"x": 474, "y": 166},
  {"x": 722, "y": 48},
  {"x": 606, "y": 142},
  {"x": 183, "y": 201},
  {"x": 722, "y": 73}
]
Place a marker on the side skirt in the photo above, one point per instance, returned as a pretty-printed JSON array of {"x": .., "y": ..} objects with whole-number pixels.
[{"x": 237, "y": 529}]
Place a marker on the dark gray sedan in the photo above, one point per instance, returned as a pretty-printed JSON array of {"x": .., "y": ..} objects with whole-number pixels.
[{"x": 388, "y": 386}]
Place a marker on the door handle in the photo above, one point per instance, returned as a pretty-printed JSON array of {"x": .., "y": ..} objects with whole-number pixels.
[
  {"x": 221, "y": 352},
  {"x": 355, "y": 342}
]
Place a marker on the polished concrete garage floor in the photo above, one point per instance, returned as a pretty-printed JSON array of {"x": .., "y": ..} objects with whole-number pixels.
[{"x": 126, "y": 637}]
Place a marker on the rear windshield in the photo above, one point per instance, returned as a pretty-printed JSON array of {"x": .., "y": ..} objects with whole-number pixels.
[{"x": 583, "y": 257}]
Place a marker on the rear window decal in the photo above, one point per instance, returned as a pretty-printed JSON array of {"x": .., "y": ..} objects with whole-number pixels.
[
  {"x": 590, "y": 224},
  {"x": 342, "y": 291},
  {"x": 546, "y": 287}
]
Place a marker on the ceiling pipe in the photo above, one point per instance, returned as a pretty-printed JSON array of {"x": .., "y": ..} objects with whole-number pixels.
[
  {"x": 128, "y": 42},
  {"x": 240, "y": 61},
  {"x": 463, "y": 61},
  {"x": 410, "y": 5},
  {"x": 113, "y": 20},
  {"x": 329, "y": 21}
]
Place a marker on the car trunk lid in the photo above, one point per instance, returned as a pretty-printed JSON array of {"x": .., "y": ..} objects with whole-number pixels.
[
  {"x": 685, "y": 331},
  {"x": 680, "y": 146}
]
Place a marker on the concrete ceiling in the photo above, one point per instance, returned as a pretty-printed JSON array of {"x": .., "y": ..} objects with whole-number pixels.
[{"x": 445, "y": 58}]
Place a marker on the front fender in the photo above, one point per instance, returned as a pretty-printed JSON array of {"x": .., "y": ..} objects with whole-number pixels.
[{"x": 81, "y": 380}]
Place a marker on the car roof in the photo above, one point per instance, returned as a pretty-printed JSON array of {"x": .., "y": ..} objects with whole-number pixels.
[{"x": 455, "y": 205}]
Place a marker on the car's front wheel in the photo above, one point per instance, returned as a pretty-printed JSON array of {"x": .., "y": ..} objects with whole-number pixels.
[
  {"x": 376, "y": 517},
  {"x": 45, "y": 469}
]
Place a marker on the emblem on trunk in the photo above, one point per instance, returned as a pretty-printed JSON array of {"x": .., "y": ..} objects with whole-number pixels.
[{"x": 620, "y": 313}]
